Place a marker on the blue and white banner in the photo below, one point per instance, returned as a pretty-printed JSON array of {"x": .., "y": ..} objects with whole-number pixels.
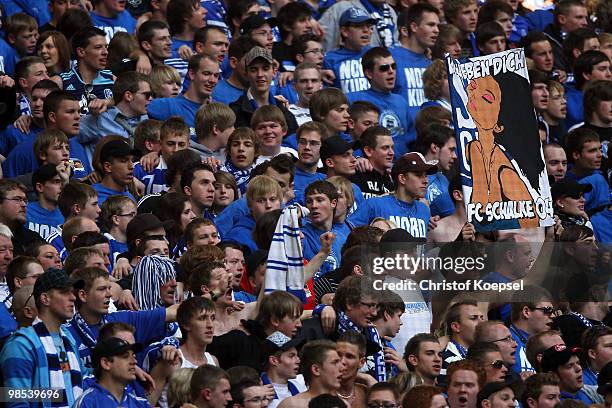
[{"x": 505, "y": 184}]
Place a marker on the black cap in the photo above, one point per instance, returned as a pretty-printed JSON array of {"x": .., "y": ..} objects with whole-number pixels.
[
  {"x": 54, "y": 279},
  {"x": 116, "y": 148},
  {"x": 569, "y": 187},
  {"x": 604, "y": 379},
  {"x": 142, "y": 223},
  {"x": 516, "y": 385},
  {"x": 254, "y": 22},
  {"x": 333, "y": 146},
  {"x": 44, "y": 173},
  {"x": 113, "y": 346},
  {"x": 557, "y": 355},
  {"x": 279, "y": 342}
]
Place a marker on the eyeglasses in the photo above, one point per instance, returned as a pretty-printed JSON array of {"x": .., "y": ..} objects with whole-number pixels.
[
  {"x": 497, "y": 364},
  {"x": 382, "y": 404},
  {"x": 548, "y": 310},
  {"x": 147, "y": 95},
  {"x": 20, "y": 200},
  {"x": 507, "y": 339},
  {"x": 369, "y": 305},
  {"x": 387, "y": 67},
  {"x": 315, "y": 51}
]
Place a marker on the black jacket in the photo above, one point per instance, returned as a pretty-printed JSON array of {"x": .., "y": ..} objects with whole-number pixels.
[{"x": 244, "y": 112}]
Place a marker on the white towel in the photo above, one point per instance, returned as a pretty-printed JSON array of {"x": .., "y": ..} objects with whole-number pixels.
[{"x": 285, "y": 267}]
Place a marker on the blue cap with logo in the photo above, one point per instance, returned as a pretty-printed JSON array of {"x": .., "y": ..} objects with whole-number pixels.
[{"x": 355, "y": 15}]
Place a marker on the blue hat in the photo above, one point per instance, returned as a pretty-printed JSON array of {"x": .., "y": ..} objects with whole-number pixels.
[{"x": 355, "y": 15}]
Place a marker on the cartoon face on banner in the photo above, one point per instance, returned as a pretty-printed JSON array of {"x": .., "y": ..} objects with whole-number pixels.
[{"x": 502, "y": 165}]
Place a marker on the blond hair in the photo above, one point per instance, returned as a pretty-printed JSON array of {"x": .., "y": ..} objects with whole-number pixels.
[
  {"x": 161, "y": 74},
  {"x": 262, "y": 185}
]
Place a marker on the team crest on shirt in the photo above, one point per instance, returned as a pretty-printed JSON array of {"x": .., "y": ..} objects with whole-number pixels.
[
  {"x": 390, "y": 120},
  {"x": 77, "y": 165},
  {"x": 108, "y": 93}
]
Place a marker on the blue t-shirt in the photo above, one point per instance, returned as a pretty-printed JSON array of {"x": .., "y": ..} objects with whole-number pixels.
[
  {"x": 150, "y": 326},
  {"x": 440, "y": 201},
  {"x": 602, "y": 226},
  {"x": 521, "y": 363},
  {"x": 288, "y": 91},
  {"x": 105, "y": 192},
  {"x": 409, "y": 84},
  {"x": 226, "y": 93},
  {"x": 242, "y": 233},
  {"x": 123, "y": 22},
  {"x": 56, "y": 240},
  {"x": 539, "y": 19},
  {"x": 355, "y": 217},
  {"x": 520, "y": 28},
  {"x": 98, "y": 396},
  {"x": 599, "y": 196},
  {"x": 8, "y": 58},
  {"x": 11, "y": 137},
  {"x": 41, "y": 220},
  {"x": 39, "y": 9},
  {"x": 303, "y": 179},
  {"x": 312, "y": 245},
  {"x": 575, "y": 109},
  {"x": 346, "y": 65},
  {"x": 154, "y": 181},
  {"x": 116, "y": 248},
  {"x": 216, "y": 13},
  {"x": 412, "y": 217},
  {"x": 230, "y": 216},
  {"x": 164, "y": 108},
  {"x": 394, "y": 116},
  {"x": 7, "y": 322}
]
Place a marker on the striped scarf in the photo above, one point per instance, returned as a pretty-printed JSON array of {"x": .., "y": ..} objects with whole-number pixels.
[
  {"x": 345, "y": 324},
  {"x": 150, "y": 274},
  {"x": 241, "y": 176},
  {"x": 292, "y": 388},
  {"x": 58, "y": 362},
  {"x": 285, "y": 267},
  {"x": 384, "y": 24}
]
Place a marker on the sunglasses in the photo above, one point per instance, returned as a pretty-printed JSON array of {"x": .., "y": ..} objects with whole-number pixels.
[
  {"x": 497, "y": 364},
  {"x": 387, "y": 67},
  {"x": 546, "y": 310}
]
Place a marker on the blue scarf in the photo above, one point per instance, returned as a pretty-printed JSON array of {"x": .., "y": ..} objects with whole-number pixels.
[
  {"x": 292, "y": 388},
  {"x": 384, "y": 21},
  {"x": 462, "y": 350},
  {"x": 241, "y": 176},
  {"x": 83, "y": 328},
  {"x": 59, "y": 361},
  {"x": 345, "y": 324}
]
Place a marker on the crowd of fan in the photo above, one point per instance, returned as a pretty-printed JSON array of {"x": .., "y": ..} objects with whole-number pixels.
[{"x": 194, "y": 194}]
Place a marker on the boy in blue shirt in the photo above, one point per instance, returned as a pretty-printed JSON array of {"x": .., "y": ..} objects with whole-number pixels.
[
  {"x": 43, "y": 216},
  {"x": 404, "y": 207},
  {"x": 355, "y": 33},
  {"x": 184, "y": 17},
  {"x": 111, "y": 17},
  {"x": 381, "y": 71},
  {"x": 116, "y": 159},
  {"x": 418, "y": 28},
  {"x": 309, "y": 147},
  {"x": 584, "y": 152},
  {"x": 114, "y": 362},
  {"x": 21, "y": 34},
  {"x": 321, "y": 200}
]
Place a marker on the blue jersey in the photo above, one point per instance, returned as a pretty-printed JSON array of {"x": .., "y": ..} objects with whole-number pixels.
[
  {"x": 410, "y": 68},
  {"x": 164, "y": 108},
  {"x": 98, "y": 396},
  {"x": 312, "y": 245},
  {"x": 116, "y": 248},
  {"x": 412, "y": 217},
  {"x": 11, "y": 137},
  {"x": 230, "y": 215},
  {"x": 101, "y": 86},
  {"x": 440, "y": 201},
  {"x": 215, "y": 15},
  {"x": 394, "y": 116},
  {"x": 288, "y": 92},
  {"x": 39, "y": 9},
  {"x": 41, "y": 220},
  {"x": 539, "y": 19},
  {"x": 175, "y": 60},
  {"x": 150, "y": 326},
  {"x": 123, "y": 22},
  {"x": 521, "y": 362},
  {"x": 357, "y": 218},
  {"x": 105, "y": 192},
  {"x": 346, "y": 65},
  {"x": 599, "y": 196},
  {"x": 303, "y": 179},
  {"x": 80, "y": 161},
  {"x": 56, "y": 240},
  {"x": 8, "y": 325},
  {"x": 602, "y": 226},
  {"x": 154, "y": 181},
  {"x": 520, "y": 28},
  {"x": 226, "y": 93},
  {"x": 8, "y": 58},
  {"x": 575, "y": 109},
  {"x": 242, "y": 233}
]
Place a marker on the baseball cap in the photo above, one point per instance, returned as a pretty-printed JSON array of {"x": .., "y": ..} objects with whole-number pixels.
[
  {"x": 516, "y": 385},
  {"x": 44, "y": 173},
  {"x": 116, "y": 148},
  {"x": 413, "y": 161},
  {"x": 355, "y": 15},
  {"x": 142, "y": 223},
  {"x": 557, "y": 355},
  {"x": 113, "y": 346},
  {"x": 604, "y": 379},
  {"x": 55, "y": 279},
  {"x": 254, "y": 22},
  {"x": 258, "y": 52},
  {"x": 569, "y": 187},
  {"x": 333, "y": 146}
]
